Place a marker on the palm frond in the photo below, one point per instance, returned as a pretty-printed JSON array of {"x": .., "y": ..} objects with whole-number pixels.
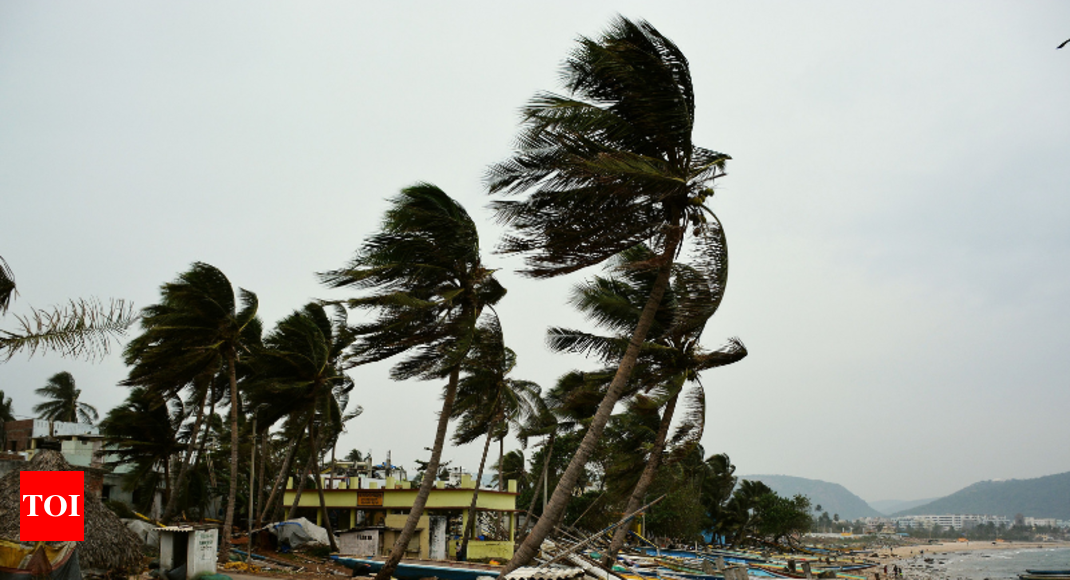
[
  {"x": 605, "y": 166},
  {"x": 83, "y": 328}
]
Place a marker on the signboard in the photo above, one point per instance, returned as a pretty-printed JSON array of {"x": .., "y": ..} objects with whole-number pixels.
[{"x": 369, "y": 498}]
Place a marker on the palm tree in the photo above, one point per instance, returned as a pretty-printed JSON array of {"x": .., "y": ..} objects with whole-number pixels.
[
  {"x": 604, "y": 168},
  {"x": 63, "y": 403},
  {"x": 298, "y": 375},
  {"x": 488, "y": 402},
  {"x": 150, "y": 367},
  {"x": 144, "y": 430},
  {"x": 742, "y": 513},
  {"x": 427, "y": 284},
  {"x": 81, "y": 328},
  {"x": 671, "y": 358},
  {"x": 198, "y": 330}
]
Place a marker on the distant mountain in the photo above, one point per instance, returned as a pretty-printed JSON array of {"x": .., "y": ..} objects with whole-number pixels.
[
  {"x": 832, "y": 497},
  {"x": 1042, "y": 497},
  {"x": 890, "y": 506}
]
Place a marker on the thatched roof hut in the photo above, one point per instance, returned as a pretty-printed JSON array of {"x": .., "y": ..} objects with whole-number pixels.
[{"x": 108, "y": 544}]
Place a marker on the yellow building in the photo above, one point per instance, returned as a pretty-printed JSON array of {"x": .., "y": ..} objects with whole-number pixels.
[{"x": 384, "y": 505}]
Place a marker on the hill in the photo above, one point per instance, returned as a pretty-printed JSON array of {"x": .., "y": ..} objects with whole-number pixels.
[
  {"x": 832, "y": 497},
  {"x": 890, "y": 506},
  {"x": 1042, "y": 497}
]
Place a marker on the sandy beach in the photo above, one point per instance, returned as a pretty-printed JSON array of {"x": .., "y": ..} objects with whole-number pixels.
[
  {"x": 911, "y": 551},
  {"x": 922, "y": 561}
]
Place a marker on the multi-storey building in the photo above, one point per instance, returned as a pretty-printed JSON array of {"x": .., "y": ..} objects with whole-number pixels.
[{"x": 951, "y": 521}]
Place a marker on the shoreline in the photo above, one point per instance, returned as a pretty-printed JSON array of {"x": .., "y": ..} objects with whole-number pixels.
[
  {"x": 948, "y": 547},
  {"x": 919, "y": 566}
]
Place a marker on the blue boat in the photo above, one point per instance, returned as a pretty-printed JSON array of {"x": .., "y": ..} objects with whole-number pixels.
[{"x": 414, "y": 570}]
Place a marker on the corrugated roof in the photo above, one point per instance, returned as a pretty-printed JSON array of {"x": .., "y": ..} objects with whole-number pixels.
[{"x": 545, "y": 574}]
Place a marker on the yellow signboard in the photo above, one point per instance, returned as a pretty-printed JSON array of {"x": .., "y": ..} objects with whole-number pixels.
[{"x": 369, "y": 498}]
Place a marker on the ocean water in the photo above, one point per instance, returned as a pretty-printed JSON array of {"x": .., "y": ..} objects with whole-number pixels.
[{"x": 985, "y": 565}]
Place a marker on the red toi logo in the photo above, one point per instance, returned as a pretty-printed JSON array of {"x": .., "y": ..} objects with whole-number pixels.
[{"x": 52, "y": 506}]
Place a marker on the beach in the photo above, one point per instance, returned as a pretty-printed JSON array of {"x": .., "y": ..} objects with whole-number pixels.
[{"x": 966, "y": 560}]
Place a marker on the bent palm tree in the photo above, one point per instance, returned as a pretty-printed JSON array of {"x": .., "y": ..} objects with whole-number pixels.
[
  {"x": 671, "y": 357},
  {"x": 63, "y": 403},
  {"x": 604, "y": 168},
  {"x": 144, "y": 431},
  {"x": 298, "y": 375},
  {"x": 427, "y": 284},
  {"x": 198, "y": 330}
]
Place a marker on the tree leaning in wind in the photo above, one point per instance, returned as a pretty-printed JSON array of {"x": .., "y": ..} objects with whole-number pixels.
[
  {"x": 601, "y": 169},
  {"x": 63, "y": 403},
  {"x": 671, "y": 358},
  {"x": 297, "y": 375},
  {"x": 198, "y": 330},
  {"x": 423, "y": 277}
]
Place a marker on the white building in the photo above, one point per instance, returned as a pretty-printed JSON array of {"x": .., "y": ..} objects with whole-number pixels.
[{"x": 951, "y": 521}]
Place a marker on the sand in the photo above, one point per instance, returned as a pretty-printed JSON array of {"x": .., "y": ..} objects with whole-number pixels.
[
  {"x": 911, "y": 551},
  {"x": 915, "y": 569}
]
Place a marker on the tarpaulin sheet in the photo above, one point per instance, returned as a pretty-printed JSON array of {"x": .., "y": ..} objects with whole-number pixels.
[{"x": 22, "y": 561}]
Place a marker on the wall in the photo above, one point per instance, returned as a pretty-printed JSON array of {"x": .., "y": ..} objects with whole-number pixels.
[
  {"x": 484, "y": 550},
  {"x": 419, "y": 544}
]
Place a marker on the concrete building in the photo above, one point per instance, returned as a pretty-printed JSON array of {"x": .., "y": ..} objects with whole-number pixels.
[
  {"x": 949, "y": 521},
  {"x": 380, "y": 511},
  {"x": 81, "y": 445},
  {"x": 1041, "y": 522}
]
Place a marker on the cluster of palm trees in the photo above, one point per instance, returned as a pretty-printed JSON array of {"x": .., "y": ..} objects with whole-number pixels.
[{"x": 604, "y": 173}]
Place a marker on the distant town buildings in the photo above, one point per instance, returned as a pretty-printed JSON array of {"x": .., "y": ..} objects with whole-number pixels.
[
  {"x": 949, "y": 521},
  {"x": 81, "y": 445}
]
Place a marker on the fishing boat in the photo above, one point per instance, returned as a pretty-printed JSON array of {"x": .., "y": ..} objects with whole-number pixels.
[{"x": 416, "y": 569}]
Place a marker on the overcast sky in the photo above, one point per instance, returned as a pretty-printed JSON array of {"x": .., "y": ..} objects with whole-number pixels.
[{"x": 896, "y": 206}]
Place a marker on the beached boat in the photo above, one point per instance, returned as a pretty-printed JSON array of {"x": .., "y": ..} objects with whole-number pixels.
[
  {"x": 1045, "y": 575},
  {"x": 416, "y": 569}
]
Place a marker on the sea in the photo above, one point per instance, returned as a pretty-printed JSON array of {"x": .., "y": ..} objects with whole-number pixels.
[{"x": 1004, "y": 564}]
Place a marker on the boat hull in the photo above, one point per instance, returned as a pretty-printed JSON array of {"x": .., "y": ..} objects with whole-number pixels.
[{"x": 415, "y": 571}]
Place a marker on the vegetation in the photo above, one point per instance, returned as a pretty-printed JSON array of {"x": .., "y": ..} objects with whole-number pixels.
[
  {"x": 62, "y": 402},
  {"x": 198, "y": 330},
  {"x": 606, "y": 167},
  {"x": 604, "y": 174},
  {"x": 424, "y": 278}
]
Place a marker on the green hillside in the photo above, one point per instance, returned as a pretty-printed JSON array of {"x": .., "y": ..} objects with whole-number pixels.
[
  {"x": 1043, "y": 497},
  {"x": 832, "y": 497}
]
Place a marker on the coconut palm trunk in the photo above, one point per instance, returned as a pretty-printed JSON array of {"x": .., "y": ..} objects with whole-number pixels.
[
  {"x": 647, "y": 477},
  {"x": 469, "y": 528},
  {"x": 300, "y": 489},
  {"x": 264, "y": 453},
  {"x": 279, "y": 479},
  {"x": 319, "y": 485},
  {"x": 541, "y": 483},
  {"x": 183, "y": 471},
  {"x": 563, "y": 492},
  {"x": 430, "y": 475},
  {"x": 232, "y": 494}
]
